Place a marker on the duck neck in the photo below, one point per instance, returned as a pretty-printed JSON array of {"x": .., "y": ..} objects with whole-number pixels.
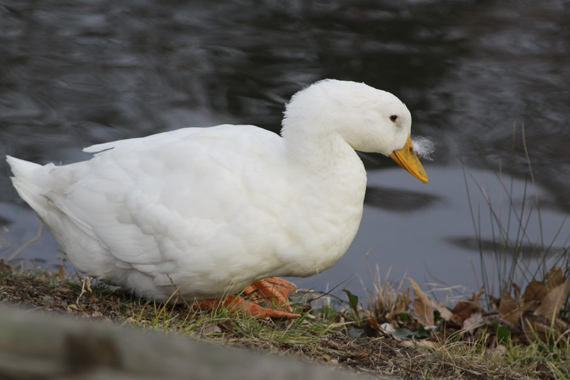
[{"x": 328, "y": 157}]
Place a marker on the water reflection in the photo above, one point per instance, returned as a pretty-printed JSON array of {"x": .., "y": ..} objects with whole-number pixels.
[
  {"x": 496, "y": 247},
  {"x": 398, "y": 200},
  {"x": 77, "y": 73}
]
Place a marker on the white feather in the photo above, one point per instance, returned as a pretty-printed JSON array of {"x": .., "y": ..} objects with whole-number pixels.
[{"x": 424, "y": 147}]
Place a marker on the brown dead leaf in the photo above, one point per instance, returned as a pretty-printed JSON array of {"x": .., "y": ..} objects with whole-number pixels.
[
  {"x": 401, "y": 307},
  {"x": 469, "y": 307},
  {"x": 422, "y": 305},
  {"x": 494, "y": 300},
  {"x": 475, "y": 297},
  {"x": 554, "y": 277},
  {"x": 509, "y": 308},
  {"x": 372, "y": 322},
  {"x": 535, "y": 291},
  {"x": 473, "y": 321},
  {"x": 553, "y": 301},
  {"x": 466, "y": 311},
  {"x": 444, "y": 312}
]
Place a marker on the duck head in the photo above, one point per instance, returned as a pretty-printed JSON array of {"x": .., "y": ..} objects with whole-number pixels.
[{"x": 368, "y": 119}]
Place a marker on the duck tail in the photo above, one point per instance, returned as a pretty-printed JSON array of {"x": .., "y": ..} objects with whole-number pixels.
[{"x": 31, "y": 181}]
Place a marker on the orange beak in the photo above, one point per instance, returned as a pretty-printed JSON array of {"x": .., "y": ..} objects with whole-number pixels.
[{"x": 408, "y": 159}]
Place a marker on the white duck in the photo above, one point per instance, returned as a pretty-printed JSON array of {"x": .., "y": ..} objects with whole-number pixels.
[{"x": 209, "y": 211}]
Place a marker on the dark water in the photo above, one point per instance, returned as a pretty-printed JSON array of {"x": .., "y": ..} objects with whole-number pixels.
[{"x": 75, "y": 73}]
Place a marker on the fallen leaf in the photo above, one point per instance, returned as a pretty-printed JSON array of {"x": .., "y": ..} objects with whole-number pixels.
[
  {"x": 471, "y": 306},
  {"x": 444, "y": 312},
  {"x": 401, "y": 307},
  {"x": 387, "y": 328},
  {"x": 495, "y": 301},
  {"x": 372, "y": 322},
  {"x": 509, "y": 308},
  {"x": 422, "y": 305},
  {"x": 473, "y": 321},
  {"x": 553, "y": 301},
  {"x": 554, "y": 277},
  {"x": 535, "y": 291}
]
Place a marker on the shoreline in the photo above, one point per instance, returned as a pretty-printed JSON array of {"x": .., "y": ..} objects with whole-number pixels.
[{"x": 328, "y": 337}]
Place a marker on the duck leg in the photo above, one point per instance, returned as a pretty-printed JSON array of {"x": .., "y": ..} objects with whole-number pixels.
[{"x": 273, "y": 291}]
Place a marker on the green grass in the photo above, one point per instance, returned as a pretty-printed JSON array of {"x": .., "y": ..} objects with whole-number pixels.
[{"x": 522, "y": 361}]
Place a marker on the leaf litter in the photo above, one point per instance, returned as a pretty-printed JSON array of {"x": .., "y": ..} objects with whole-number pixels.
[{"x": 536, "y": 314}]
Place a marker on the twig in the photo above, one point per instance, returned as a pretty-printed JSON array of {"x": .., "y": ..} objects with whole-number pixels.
[
  {"x": 85, "y": 281},
  {"x": 26, "y": 244}
]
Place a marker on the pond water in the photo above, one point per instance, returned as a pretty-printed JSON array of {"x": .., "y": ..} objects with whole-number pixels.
[{"x": 473, "y": 74}]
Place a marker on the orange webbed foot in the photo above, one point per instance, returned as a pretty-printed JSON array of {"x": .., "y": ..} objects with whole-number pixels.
[
  {"x": 237, "y": 305},
  {"x": 272, "y": 291}
]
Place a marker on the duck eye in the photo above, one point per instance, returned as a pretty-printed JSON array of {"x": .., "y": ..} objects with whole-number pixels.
[{"x": 394, "y": 118}]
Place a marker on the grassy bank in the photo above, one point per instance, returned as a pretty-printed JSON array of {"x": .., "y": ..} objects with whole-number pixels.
[{"x": 349, "y": 336}]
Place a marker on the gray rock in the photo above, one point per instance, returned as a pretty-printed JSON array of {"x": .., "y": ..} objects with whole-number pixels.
[{"x": 34, "y": 346}]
